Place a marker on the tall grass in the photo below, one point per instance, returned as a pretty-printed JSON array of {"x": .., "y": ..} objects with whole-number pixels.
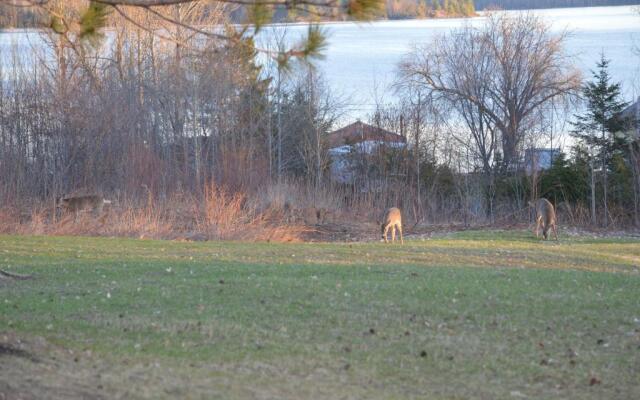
[
  {"x": 286, "y": 211},
  {"x": 218, "y": 215}
]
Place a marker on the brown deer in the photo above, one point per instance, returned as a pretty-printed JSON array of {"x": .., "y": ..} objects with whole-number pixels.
[
  {"x": 545, "y": 217},
  {"x": 78, "y": 204},
  {"x": 392, "y": 219}
]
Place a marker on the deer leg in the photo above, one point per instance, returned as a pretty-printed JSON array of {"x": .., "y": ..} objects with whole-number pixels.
[
  {"x": 401, "y": 238},
  {"x": 384, "y": 235},
  {"x": 393, "y": 234},
  {"x": 538, "y": 221},
  {"x": 555, "y": 232}
]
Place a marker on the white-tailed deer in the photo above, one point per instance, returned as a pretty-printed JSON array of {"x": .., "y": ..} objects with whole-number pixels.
[
  {"x": 77, "y": 204},
  {"x": 392, "y": 219},
  {"x": 545, "y": 217}
]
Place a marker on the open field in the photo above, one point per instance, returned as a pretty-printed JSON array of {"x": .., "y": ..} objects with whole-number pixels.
[{"x": 474, "y": 315}]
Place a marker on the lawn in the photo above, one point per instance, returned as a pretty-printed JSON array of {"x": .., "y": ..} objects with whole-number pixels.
[{"x": 473, "y": 315}]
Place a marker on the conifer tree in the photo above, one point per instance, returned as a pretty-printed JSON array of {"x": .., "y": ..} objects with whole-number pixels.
[{"x": 597, "y": 125}]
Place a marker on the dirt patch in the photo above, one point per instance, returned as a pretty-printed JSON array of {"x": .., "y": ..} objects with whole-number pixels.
[
  {"x": 35, "y": 369},
  {"x": 370, "y": 232},
  {"x": 601, "y": 233},
  {"x": 10, "y": 351},
  {"x": 341, "y": 232}
]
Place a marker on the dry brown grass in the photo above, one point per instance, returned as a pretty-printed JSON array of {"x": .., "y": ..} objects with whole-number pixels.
[
  {"x": 288, "y": 211},
  {"x": 219, "y": 215}
]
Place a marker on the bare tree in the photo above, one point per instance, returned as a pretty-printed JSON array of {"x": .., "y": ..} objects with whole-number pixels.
[
  {"x": 308, "y": 111},
  {"x": 496, "y": 77},
  {"x": 321, "y": 110}
]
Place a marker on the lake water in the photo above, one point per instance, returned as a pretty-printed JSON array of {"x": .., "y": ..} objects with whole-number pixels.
[{"x": 361, "y": 59}]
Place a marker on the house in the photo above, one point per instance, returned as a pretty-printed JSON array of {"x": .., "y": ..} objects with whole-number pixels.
[
  {"x": 539, "y": 159},
  {"x": 356, "y": 142},
  {"x": 359, "y": 133},
  {"x": 632, "y": 113}
]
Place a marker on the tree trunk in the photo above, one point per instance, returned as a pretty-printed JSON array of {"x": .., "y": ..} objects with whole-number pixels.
[
  {"x": 605, "y": 185},
  {"x": 417, "y": 157},
  {"x": 489, "y": 193},
  {"x": 279, "y": 123},
  {"x": 635, "y": 169},
  {"x": 509, "y": 153},
  {"x": 318, "y": 159},
  {"x": 593, "y": 193}
]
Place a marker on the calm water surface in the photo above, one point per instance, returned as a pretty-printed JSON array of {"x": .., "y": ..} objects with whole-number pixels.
[{"x": 361, "y": 59}]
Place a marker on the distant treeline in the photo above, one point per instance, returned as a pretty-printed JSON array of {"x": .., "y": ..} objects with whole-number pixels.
[
  {"x": 391, "y": 9},
  {"x": 26, "y": 17},
  {"x": 19, "y": 17},
  {"x": 398, "y": 9},
  {"x": 529, "y": 4}
]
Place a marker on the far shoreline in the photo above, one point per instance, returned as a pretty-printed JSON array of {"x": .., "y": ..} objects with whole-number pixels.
[{"x": 478, "y": 14}]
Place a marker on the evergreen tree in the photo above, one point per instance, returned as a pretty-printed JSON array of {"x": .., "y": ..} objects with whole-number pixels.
[
  {"x": 565, "y": 181},
  {"x": 621, "y": 182},
  {"x": 436, "y": 5},
  {"x": 597, "y": 125}
]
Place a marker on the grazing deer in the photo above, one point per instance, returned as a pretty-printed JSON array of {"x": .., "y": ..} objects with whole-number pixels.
[
  {"x": 545, "y": 217},
  {"x": 392, "y": 219},
  {"x": 83, "y": 203}
]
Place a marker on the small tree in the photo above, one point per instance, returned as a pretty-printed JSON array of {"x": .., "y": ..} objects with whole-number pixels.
[{"x": 596, "y": 126}]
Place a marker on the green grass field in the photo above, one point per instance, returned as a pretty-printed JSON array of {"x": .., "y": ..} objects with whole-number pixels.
[{"x": 474, "y": 315}]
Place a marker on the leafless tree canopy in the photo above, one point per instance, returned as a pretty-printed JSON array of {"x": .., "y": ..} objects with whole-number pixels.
[{"x": 496, "y": 77}]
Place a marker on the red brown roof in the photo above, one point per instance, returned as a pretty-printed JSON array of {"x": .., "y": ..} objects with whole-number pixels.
[{"x": 359, "y": 132}]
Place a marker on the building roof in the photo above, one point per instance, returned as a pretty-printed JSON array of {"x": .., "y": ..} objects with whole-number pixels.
[
  {"x": 359, "y": 132},
  {"x": 632, "y": 110}
]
